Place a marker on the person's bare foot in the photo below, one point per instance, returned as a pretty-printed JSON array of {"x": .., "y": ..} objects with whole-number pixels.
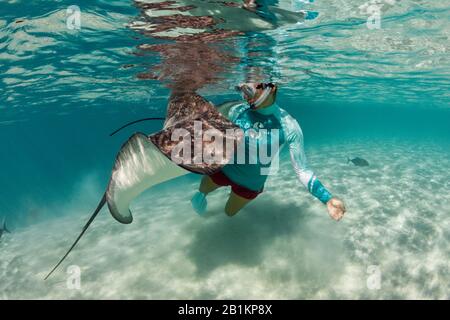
[{"x": 336, "y": 208}]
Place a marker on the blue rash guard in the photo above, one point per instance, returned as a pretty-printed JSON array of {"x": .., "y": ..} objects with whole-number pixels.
[{"x": 249, "y": 173}]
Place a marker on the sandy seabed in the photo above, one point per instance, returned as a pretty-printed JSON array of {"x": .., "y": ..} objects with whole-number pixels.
[{"x": 393, "y": 242}]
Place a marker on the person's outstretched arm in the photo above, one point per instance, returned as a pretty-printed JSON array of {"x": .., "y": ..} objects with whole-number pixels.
[{"x": 294, "y": 138}]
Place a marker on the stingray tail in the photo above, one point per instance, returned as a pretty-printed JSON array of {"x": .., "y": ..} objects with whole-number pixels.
[
  {"x": 348, "y": 160},
  {"x": 133, "y": 122},
  {"x": 86, "y": 226}
]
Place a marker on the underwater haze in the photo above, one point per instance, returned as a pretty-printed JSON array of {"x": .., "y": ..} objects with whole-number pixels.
[{"x": 363, "y": 79}]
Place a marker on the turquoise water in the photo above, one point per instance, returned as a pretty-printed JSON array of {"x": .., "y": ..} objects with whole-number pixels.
[{"x": 381, "y": 94}]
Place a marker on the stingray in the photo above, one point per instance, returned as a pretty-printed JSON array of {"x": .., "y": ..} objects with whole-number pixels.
[
  {"x": 145, "y": 160},
  {"x": 359, "y": 162}
]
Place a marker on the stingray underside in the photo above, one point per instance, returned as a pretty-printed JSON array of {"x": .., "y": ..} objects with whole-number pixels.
[{"x": 139, "y": 165}]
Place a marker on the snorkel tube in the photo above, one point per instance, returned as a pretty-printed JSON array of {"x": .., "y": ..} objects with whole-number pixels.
[
  {"x": 248, "y": 91},
  {"x": 263, "y": 97}
]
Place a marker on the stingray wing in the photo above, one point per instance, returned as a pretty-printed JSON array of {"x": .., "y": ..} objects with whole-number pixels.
[{"x": 139, "y": 165}]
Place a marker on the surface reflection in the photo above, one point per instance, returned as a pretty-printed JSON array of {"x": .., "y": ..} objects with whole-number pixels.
[{"x": 198, "y": 46}]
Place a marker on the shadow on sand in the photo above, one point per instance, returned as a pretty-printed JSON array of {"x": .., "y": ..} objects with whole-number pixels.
[{"x": 242, "y": 239}]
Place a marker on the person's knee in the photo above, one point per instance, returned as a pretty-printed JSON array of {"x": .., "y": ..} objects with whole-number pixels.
[
  {"x": 203, "y": 188},
  {"x": 234, "y": 204},
  {"x": 229, "y": 211},
  {"x": 207, "y": 185}
]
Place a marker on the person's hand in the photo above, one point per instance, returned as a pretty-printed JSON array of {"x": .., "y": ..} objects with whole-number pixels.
[{"x": 336, "y": 208}]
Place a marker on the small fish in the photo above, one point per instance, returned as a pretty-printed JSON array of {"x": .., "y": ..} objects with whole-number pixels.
[
  {"x": 359, "y": 162},
  {"x": 4, "y": 229}
]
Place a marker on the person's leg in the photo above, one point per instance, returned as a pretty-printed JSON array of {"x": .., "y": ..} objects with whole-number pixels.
[
  {"x": 235, "y": 203},
  {"x": 207, "y": 185},
  {"x": 199, "y": 202}
]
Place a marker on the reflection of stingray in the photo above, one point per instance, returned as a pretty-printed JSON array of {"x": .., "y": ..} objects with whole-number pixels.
[
  {"x": 144, "y": 161},
  {"x": 207, "y": 45},
  {"x": 190, "y": 66},
  {"x": 190, "y": 19}
]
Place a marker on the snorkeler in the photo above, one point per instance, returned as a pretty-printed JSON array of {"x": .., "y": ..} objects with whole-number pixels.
[{"x": 246, "y": 179}]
